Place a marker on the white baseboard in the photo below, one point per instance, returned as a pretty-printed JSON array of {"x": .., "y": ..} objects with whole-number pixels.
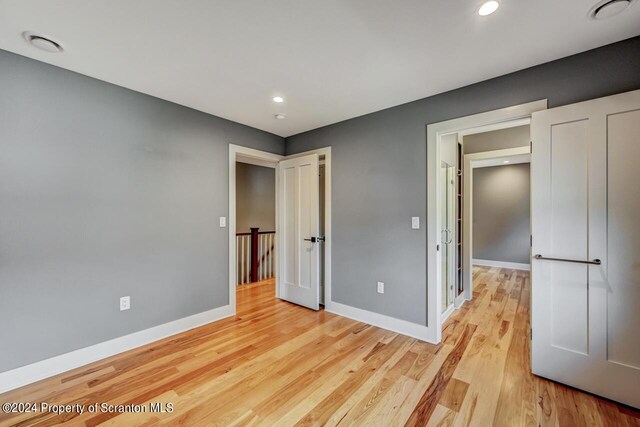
[
  {"x": 37, "y": 371},
  {"x": 501, "y": 264},
  {"x": 448, "y": 312},
  {"x": 460, "y": 299},
  {"x": 413, "y": 330}
]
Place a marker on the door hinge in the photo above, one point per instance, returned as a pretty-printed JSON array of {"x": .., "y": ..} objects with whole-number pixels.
[
  {"x": 531, "y": 334},
  {"x": 531, "y": 240},
  {"x": 530, "y": 146}
]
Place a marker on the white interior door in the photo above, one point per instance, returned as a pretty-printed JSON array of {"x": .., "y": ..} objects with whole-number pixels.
[
  {"x": 298, "y": 230},
  {"x": 585, "y": 193}
]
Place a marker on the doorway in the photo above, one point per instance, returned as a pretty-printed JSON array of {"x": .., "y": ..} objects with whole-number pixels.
[
  {"x": 487, "y": 215},
  {"x": 301, "y": 240},
  {"x": 496, "y": 217},
  {"x": 255, "y": 223},
  {"x": 448, "y": 207}
]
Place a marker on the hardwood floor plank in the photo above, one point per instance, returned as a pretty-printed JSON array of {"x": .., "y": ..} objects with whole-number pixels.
[
  {"x": 442, "y": 417},
  {"x": 454, "y": 394},
  {"x": 427, "y": 404},
  {"x": 546, "y": 411}
]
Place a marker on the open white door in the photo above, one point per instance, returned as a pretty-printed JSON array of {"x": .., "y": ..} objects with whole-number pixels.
[
  {"x": 585, "y": 273},
  {"x": 298, "y": 230}
]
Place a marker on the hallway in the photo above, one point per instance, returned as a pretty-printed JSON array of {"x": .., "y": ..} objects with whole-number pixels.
[{"x": 278, "y": 364}]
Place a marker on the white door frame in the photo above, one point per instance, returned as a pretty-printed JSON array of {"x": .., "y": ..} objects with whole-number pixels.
[
  {"x": 259, "y": 158},
  {"x": 471, "y": 162},
  {"x": 434, "y": 132},
  {"x": 264, "y": 158}
]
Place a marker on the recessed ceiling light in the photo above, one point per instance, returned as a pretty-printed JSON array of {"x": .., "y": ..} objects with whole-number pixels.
[
  {"x": 488, "y": 8},
  {"x": 42, "y": 42},
  {"x": 280, "y": 116},
  {"x": 505, "y": 162},
  {"x": 610, "y": 8},
  {"x": 278, "y": 99}
]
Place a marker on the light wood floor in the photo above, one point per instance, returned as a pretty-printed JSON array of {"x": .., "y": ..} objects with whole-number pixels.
[{"x": 279, "y": 364}]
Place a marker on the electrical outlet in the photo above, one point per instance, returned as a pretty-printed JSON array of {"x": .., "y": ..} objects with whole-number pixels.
[
  {"x": 125, "y": 303},
  {"x": 415, "y": 222},
  {"x": 223, "y": 221},
  {"x": 380, "y": 287}
]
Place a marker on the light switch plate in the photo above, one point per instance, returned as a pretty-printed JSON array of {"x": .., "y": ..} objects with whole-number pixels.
[
  {"x": 125, "y": 303},
  {"x": 415, "y": 222},
  {"x": 223, "y": 221},
  {"x": 381, "y": 287}
]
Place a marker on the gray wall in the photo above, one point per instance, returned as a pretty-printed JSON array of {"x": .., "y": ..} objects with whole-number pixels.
[
  {"x": 379, "y": 171},
  {"x": 255, "y": 198},
  {"x": 501, "y": 212},
  {"x": 497, "y": 140},
  {"x": 105, "y": 192}
]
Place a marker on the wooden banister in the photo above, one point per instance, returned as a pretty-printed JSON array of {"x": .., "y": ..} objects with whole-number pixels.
[
  {"x": 260, "y": 232},
  {"x": 254, "y": 254}
]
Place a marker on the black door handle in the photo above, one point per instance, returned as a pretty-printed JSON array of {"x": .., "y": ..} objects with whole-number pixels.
[{"x": 314, "y": 239}]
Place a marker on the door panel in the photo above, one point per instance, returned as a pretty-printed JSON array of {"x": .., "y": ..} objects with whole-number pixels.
[
  {"x": 298, "y": 219},
  {"x": 568, "y": 222},
  {"x": 623, "y": 214},
  {"x": 309, "y": 223},
  {"x": 585, "y": 206},
  {"x": 288, "y": 230}
]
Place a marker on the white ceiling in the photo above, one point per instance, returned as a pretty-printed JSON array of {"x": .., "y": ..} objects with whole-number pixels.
[{"x": 331, "y": 60}]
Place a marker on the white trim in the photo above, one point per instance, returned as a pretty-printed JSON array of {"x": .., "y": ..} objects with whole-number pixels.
[
  {"x": 472, "y": 161},
  {"x": 28, "y": 374},
  {"x": 434, "y": 133},
  {"x": 495, "y": 126},
  {"x": 448, "y": 312},
  {"x": 460, "y": 299},
  {"x": 404, "y": 327},
  {"x": 256, "y": 157},
  {"x": 507, "y": 153},
  {"x": 500, "y": 161},
  {"x": 502, "y": 264},
  {"x": 256, "y": 162},
  {"x": 326, "y": 152},
  {"x": 245, "y": 154}
]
